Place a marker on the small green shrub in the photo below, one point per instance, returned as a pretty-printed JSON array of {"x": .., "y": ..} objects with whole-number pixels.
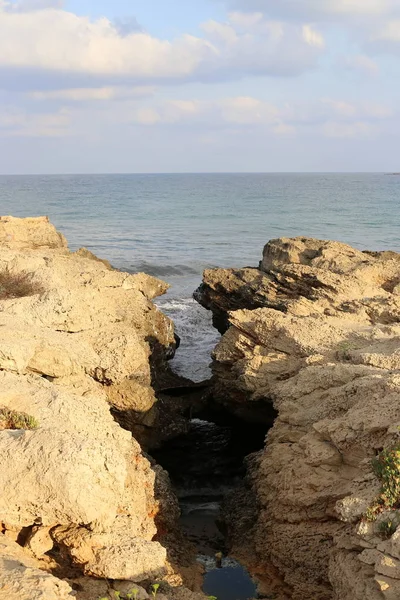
[
  {"x": 386, "y": 467},
  {"x": 132, "y": 595},
  {"x": 12, "y": 419},
  {"x": 388, "y": 527},
  {"x": 18, "y": 285}
]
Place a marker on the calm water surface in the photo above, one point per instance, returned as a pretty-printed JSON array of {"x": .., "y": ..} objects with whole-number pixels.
[{"x": 174, "y": 226}]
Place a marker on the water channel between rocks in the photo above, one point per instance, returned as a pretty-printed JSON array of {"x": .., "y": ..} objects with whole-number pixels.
[
  {"x": 204, "y": 465},
  {"x": 207, "y": 462}
]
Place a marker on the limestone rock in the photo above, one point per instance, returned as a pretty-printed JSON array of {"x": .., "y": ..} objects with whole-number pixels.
[
  {"x": 34, "y": 232},
  {"x": 83, "y": 342},
  {"x": 114, "y": 555},
  {"x": 314, "y": 334},
  {"x": 86, "y": 320},
  {"x": 22, "y": 579},
  {"x": 39, "y": 541}
]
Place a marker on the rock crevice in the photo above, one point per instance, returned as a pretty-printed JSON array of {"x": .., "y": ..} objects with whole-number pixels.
[{"x": 315, "y": 333}]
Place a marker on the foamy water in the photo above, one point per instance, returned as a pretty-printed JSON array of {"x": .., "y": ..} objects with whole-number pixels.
[
  {"x": 174, "y": 226},
  {"x": 193, "y": 324}
]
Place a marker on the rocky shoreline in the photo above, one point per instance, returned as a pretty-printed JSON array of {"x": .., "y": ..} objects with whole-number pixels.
[
  {"x": 79, "y": 497},
  {"x": 310, "y": 350},
  {"x": 315, "y": 333}
]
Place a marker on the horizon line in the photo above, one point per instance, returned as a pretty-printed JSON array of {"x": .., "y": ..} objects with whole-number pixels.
[{"x": 200, "y": 173}]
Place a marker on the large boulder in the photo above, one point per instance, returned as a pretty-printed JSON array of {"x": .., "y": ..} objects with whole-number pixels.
[
  {"x": 315, "y": 334},
  {"x": 21, "y": 577},
  {"x": 68, "y": 315},
  {"x": 34, "y": 232},
  {"x": 76, "y": 340}
]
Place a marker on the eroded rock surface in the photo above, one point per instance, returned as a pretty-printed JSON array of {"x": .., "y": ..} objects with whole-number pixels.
[
  {"x": 76, "y": 488},
  {"x": 21, "y": 577},
  {"x": 315, "y": 332}
]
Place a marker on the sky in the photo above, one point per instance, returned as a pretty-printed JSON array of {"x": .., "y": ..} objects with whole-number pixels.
[{"x": 154, "y": 86}]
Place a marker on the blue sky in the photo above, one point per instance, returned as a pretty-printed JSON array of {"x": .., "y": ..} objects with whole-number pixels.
[{"x": 199, "y": 85}]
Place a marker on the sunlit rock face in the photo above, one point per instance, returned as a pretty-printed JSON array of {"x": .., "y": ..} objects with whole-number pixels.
[
  {"x": 315, "y": 333},
  {"x": 76, "y": 340}
]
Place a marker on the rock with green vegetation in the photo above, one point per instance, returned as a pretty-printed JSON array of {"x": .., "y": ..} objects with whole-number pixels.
[
  {"x": 77, "y": 339},
  {"x": 315, "y": 333},
  {"x": 12, "y": 419}
]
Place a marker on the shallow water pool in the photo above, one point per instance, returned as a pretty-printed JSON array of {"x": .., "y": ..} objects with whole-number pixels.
[{"x": 229, "y": 583}]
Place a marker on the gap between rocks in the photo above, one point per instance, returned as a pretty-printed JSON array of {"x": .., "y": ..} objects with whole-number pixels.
[{"x": 207, "y": 466}]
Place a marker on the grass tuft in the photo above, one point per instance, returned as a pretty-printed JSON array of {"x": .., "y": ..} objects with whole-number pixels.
[
  {"x": 12, "y": 419},
  {"x": 18, "y": 285},
  {"x": 386, "y": 467}
]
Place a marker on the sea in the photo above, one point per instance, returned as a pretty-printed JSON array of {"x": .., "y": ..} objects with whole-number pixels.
[{"x": 174, "y": 226}]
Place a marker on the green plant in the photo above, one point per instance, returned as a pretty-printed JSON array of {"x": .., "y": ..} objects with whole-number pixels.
[
  {"x": 386, "y": 467},
  {"x": 132, "y": 594},
  {"x": 154, "y": 588},
  {"x": 18, "y": 285},
  {"x": 117, "y": 595},
  {"x": 12, "y": 419},
  {"x": 343, "y": 350},
  {"x": 388, "y": 527}
]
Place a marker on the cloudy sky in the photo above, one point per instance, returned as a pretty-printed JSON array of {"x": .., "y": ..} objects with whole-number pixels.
[{"x": 89, "y": 86}]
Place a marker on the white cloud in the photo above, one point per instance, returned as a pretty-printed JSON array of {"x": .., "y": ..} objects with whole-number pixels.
[
  {"x": 90, "y": 94},
  {"x": 237, "y": 115},
  {"x": 237, "y": 111},
  {"x": 348, "y": 111},
  {"x": 361, "y": 63},
  {"x": 385, "y": 37},
  {"x": 17, "y": 123},
  {"x": 389, "y": 32},
  {"x": 30, "y": 5},
  {"x": 64, "y": 43},
  {"x": 333, "y": 118},
  {"x": 317, "y": 9},
  {"x": 357, "y": 129},
  {"x": 312, "y": 37}
]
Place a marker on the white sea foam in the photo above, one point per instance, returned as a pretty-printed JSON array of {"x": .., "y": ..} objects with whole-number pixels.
[
  {"x": 194, "y": 326},
  {"x": 209, "y": 563}
]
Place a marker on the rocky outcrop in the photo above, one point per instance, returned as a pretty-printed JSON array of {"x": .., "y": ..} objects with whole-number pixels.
[
  {"x": 315, "y": 332},
  {"x": 29, "y": 233},
  {"x": 21, "y": 577},
  {"x": 86, "y": 320},
  {"x": 76, "y": 340}
]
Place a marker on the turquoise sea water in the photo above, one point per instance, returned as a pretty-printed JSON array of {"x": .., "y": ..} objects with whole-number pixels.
[{"x": 174, "y": 226}]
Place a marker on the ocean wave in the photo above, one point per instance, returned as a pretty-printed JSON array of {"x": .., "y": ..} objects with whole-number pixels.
[
  {"x": 193, "y": 324},
  {"x": 158, "y": 270}
]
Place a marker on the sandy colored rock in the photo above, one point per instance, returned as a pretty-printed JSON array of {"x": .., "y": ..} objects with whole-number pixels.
[
  {"x": 33, "y": 232},
  {"x": 22, "y": 579},
  {"x": 315, "y": 334},
  {"x": 113, "y": 555},
  {"x": 84, "y": 340},
  {"x": 39, "y": 541}
]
